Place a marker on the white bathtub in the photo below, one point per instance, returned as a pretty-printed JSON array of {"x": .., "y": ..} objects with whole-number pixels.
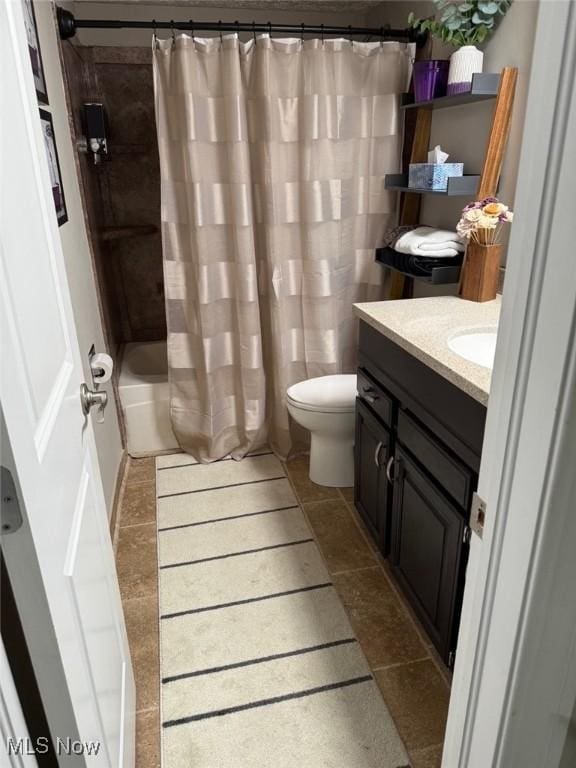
[{"x": 145, "y": 398}]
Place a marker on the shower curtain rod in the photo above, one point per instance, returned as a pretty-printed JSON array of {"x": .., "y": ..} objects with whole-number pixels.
[{"x": 68, "y": 24}]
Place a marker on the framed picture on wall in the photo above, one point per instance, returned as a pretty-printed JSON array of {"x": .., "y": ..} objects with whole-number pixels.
[
  {"x": 34, "y": 51},
  {"x": 54, "y": 166}
]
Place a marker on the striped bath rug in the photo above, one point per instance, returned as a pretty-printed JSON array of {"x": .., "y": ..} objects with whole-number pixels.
[{"x": 259, "y": 664}]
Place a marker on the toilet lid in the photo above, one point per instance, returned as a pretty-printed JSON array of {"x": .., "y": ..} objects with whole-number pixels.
[{"x": 325, "y": 393}]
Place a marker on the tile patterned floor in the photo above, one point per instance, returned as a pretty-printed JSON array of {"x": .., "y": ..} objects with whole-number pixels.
[{"x": 414, "y": 683}]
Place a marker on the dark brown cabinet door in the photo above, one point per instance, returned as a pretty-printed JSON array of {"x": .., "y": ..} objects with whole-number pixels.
[
  {"x": 427, "y": 550},
  {"x": 371, "y": 490}
]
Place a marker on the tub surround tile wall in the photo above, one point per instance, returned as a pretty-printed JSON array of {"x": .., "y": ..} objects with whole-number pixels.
[
  {"x": 80, "y": 87},
  {"x": 124, "y": 189}
]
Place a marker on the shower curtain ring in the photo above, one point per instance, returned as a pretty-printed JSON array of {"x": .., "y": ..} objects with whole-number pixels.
[
  {"x": 154, "y": 35},
  {"x": 220, "y": 31},
  {"x": 173, "y": 32},
  {"x": 381, "y": 38},
  {"x": 322, "y": 34},
  {"x": 270, "y": 30},
  {"x": 302, "y": 32},
  {"x": 254, "y": 32}
]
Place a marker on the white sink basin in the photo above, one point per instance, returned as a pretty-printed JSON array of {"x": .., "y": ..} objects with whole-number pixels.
[{"x": 477, "y": 346}]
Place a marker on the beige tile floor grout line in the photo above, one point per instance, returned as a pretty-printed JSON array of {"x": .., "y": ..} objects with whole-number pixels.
[
  {"x": 355, "y": 570},
  {"x": 400, "y": 664},
  {"x": 146, "y": 709},
  {"x": 139, "y": 525},
  {"x": 115, "y": 534}
]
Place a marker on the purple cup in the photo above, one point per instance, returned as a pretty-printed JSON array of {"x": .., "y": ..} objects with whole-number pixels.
[{"x": 430, "y": 79}]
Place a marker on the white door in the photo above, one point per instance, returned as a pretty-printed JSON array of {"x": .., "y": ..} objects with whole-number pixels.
[{"x": 52, "y": 442}]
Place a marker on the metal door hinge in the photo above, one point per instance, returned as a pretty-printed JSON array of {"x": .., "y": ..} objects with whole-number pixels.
[
  {"x": 467, "y": 535},
  {"x": 451, "y": 659},
  {"x": 10, "y": 514},
  {"x": 478, "y": 514}
]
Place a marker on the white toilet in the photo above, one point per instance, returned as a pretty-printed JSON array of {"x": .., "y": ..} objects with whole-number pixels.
[{"x": 325, "y": 406}]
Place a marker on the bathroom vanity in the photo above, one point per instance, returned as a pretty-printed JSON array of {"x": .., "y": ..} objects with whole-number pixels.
[{"x": 421, "y": 409}]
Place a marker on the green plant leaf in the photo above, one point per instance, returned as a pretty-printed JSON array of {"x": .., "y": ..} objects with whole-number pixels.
[
  {"x": 488, "y": 6},
  {"x": 481, "y": 34},
  {"x": 454, "y": 24},
  {"x": 463, "y": 7}
]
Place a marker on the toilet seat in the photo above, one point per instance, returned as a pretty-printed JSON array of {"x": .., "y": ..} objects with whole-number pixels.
[{"x": 325, "y": 394}]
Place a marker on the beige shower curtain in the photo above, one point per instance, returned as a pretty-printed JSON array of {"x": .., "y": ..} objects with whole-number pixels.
[{"x": 273, "y": 156}]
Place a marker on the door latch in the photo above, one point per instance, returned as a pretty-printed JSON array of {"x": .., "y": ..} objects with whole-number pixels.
[
  {"x": 478, "y": 514},
  {"x": 10, "y": 514}
]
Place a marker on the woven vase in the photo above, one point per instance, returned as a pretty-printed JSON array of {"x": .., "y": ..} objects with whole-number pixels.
[
  {"x": 480, "y": 272},
  {"x": 464, "y": 63}
]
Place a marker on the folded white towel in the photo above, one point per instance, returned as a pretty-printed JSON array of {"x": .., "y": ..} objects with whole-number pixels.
[{"x": 427, "y": 241}]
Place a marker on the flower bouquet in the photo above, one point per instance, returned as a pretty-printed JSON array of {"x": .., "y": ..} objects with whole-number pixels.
[
  {"x": 481, "y": 224},
  {"x": 482, "y": 221}
]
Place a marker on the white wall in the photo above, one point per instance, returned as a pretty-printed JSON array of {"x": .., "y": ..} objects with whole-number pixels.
[
  {"x": 166, "y": 12},
  {"x": 463, "y": 131},
  {"x": 76, "y": 248}
]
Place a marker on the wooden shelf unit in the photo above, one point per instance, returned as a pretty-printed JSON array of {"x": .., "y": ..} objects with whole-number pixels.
[{"x": 484, "y": 185}]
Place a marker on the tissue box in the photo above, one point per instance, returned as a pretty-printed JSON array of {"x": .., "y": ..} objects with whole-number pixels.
[{"x": 433, "y": 175}]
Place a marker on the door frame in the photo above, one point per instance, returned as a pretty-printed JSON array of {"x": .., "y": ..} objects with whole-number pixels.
[{"x": 514, "y": 684}]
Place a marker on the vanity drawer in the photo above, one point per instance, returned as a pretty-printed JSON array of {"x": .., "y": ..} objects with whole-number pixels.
[
  {"x": 372, "y": 394},
  {"x": 456, "y": 479}
]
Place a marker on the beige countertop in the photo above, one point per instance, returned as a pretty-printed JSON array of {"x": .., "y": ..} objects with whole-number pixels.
[{"x": 423, "y": 327}]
